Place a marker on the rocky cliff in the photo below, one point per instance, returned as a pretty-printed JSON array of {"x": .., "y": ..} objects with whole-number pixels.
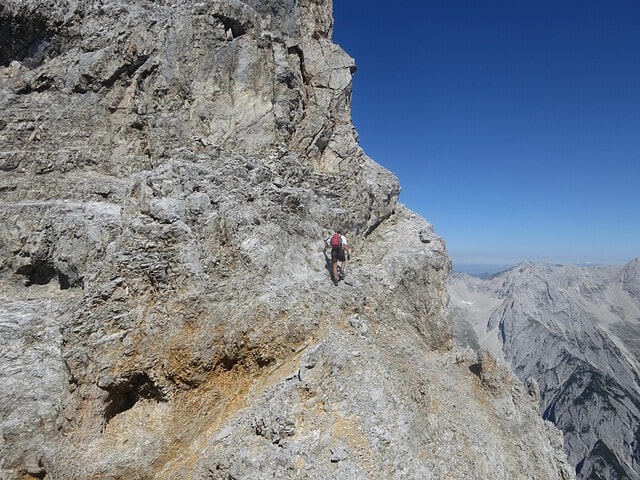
[
  {"x": 574, "y": 331},
  {"x": 169, "y": 170}
]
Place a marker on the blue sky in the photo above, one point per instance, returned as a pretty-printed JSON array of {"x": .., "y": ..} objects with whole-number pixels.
[{"x": 513, "y": 126}]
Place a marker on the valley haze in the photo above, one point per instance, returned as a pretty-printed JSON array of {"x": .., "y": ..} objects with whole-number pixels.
[{"x": 493, "y": 268}]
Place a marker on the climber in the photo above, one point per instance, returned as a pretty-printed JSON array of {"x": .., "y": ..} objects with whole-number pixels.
[{"x": 339, "y": 251}]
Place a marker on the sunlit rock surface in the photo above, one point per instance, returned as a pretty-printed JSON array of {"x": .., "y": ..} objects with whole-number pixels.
[{"x": 168, "y": 172}]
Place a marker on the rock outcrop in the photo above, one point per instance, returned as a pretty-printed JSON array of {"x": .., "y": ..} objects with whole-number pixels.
[
  {"x": 169, "y": 170},
  {"x": 574, "y": 331}
]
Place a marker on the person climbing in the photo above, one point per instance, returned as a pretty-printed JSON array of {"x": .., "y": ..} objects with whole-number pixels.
[{"x": 339, "y": 252}]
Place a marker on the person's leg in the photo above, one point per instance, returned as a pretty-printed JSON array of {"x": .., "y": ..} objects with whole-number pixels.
[
  {"x": 335, "y": 254},
  {"x": 343, "y": 260}
]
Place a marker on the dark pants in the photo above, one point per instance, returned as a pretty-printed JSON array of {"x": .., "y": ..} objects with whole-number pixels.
[{"x": 337, "y": 254}]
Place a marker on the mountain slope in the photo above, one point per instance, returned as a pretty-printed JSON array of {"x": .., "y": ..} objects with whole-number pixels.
[
  {"x": 573, "y": 330},
  {"x": 169, "y": 171}
]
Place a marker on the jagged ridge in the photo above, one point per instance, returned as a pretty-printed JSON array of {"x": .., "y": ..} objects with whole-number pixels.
[{"x": 568, "y": 328}]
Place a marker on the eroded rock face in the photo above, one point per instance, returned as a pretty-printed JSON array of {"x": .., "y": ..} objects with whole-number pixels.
[{"x": 170, "y": 170}]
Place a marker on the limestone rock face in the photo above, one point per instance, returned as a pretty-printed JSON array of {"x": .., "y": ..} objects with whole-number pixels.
[
  {"x": 168, "y": 173},
  {"x": 574, "y": 332}
]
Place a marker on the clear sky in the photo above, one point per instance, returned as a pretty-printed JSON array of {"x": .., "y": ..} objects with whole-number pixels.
[{"x": 513, "y": 125}]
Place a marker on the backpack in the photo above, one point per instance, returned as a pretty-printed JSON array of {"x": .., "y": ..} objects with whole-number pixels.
[{"x": 336, "y": 240}]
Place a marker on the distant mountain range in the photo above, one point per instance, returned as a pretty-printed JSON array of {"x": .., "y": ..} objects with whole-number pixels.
[{"x": 575, "y": 331}]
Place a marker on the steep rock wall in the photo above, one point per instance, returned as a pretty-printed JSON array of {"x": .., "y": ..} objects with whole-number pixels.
[{"x": 169, "y": 172}]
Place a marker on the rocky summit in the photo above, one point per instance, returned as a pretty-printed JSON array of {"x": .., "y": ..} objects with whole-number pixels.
[
  {"x": 571, "y": 333},
  {"x": 169, "y": 171}
]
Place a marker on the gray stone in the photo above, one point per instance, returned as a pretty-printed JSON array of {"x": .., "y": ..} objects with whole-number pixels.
[
  {"x": 338, "y": 454},
  {"x": 169, "y": 173}
]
